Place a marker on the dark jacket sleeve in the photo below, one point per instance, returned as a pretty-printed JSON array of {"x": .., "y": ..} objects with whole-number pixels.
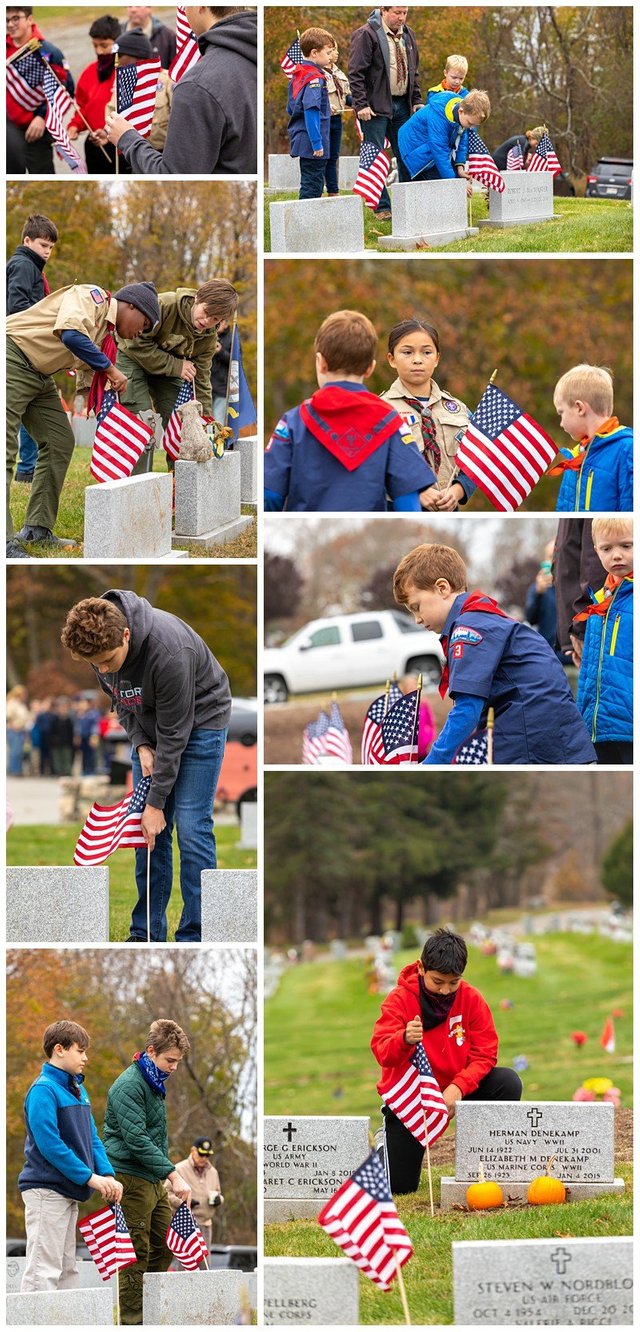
[
  {"x": 175, "y": 692},
  {"x": 360, "y": 52},
  {"x": 194, "y": 137},
  {"x": 576, "y": 568},
  {"x": 20, "y": 284}
]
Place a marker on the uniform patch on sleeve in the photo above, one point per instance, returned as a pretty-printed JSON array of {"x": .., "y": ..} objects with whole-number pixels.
[
  {"x": 463, "y": 634},
  {"x": 450, "y": 405},
  {"x": 281, "y": 432},
  {"x": 314, "y": 83},
  {"x": 96, "y": 296},
  {"x": 405, "y": 432},
  {"x": 458, "y": 650}
]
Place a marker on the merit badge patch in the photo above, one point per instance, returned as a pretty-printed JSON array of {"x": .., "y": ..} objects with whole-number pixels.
[
  {"x": 96, "y": 296},
  {"x": 405, "y": 433},
  {"x": 450, "y": 405},
  {"x": 463, "y": 634}
]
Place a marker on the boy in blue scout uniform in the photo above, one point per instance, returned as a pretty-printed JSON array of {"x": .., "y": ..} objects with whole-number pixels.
[
  {"x": 344, "y": 448},
  {"x": 309, "y": 111},
  {"x": 597, "y": 475},
  {"x": 434, "y": 143},
  {"x": 491, "y": 661},
  {"x": 605, "y": 682}
]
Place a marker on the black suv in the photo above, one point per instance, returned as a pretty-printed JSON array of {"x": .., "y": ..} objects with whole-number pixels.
[{"x": 610, "y": 179}]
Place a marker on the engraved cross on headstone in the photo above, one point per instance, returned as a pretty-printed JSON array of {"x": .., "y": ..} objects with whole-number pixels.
[
  {"x": 561, "y": 1258},
  {"x": 530, "y": 1116},
  {"x": 289, "y": 1130}
]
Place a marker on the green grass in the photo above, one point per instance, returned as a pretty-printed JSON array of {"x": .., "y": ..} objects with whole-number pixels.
[
  {"x": 428, "y": 1275},
  {"x": 324, "y": 1065},
  {"x": 49, "y": 845},
  {"x": 70, "y": 522},
  {"x": 582, "y": 225}
]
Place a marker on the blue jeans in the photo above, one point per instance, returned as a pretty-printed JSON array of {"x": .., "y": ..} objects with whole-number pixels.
[
  {"x": 312, "y": 177},
  {"x": 15, "y": 752},
  {"x": 27, "y": 454},
  {"x": 331, "y": 162},
  {"x": 190, "y": 807},
  {"x": 386, "y": 127}
]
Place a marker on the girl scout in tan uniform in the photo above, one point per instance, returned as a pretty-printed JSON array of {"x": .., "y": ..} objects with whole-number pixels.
[{"x": 436, "y": 419}]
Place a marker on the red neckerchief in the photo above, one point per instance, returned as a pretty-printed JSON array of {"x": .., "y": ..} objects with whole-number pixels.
[
  {"x": 349, "y": 425},
  {"x": 302, "y": 75},
  {"x": 476, "y": 601},
  {"x": 47, "y": 288},
  {"x": 574, "y": 464},
  {"x": 611, "y": 585},
  {"x": 98, "y": 383}
]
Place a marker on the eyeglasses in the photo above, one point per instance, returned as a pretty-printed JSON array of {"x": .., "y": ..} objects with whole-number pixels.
[{"x": 15, "y": 19}]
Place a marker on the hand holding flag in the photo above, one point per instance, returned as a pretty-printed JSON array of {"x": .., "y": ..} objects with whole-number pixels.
[{"x": 109, "y": 827}]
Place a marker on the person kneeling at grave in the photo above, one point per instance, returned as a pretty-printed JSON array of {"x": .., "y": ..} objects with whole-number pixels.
[
  {"x": 173, "y": 699},
  {"x": 72, "y": 328},
  {"x": 181, "y": 347},
  {"x": 434, "y": 143},
  {"x": 433, "y": 1005},
  {"x": 135, "y": 1135}
]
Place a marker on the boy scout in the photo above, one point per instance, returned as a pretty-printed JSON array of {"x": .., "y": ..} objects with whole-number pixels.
[
  {"x": 71, "y": 328},
  {"x": 181, "y": 346}
]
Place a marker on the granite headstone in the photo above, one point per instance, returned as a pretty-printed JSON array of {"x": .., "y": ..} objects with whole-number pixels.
[
  {"x": 177, "y": 1299},
  {"x": 57, "y": 904},
  {"x": 323, "y": 226},
  {"x": 229, "y": 906},
  {"x": 429, "y": 211},
  {"x": 61, "y": 1308},
  {"x": 306, "y": 1158},
  {"x": 130, "y": 518},
  {"x": 527, "y": 197},
  {"x": 322, "y": 1292},
  {"x": 563, "y": 1282}
]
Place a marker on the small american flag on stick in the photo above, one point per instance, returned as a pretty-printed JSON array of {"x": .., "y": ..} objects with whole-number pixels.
[
  {"x": 172, "y": 437},
  {"x": 362, "y": 1219},
  {"x": 119, "y": 440},
  {"x": 515, "y": 160},
  {"x": 109, "y": 827},
  {"x": 481, "y": 165},
  {"x": 291, "y": 57},
  {"x": 416, "y": 1099},
  {"x": 24, "y": 81},
  {"x": 336, "y": 740},
  {"x": 373, "y": 169},
  {"x": 397, "y": 738},
  {"x": 136, "y": 89},
  {"x": 187, "y": 49},
  {"x": 185, "y": 1239},
  {"x": 59, "y": 105},
  {"x": 544, "y": 158},
  {"x": 504, "y": 450},
  {"x": 107, "y": 1238}
]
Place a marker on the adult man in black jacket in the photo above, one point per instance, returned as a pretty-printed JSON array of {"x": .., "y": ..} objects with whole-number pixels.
[{"x": 384, "y": 78}]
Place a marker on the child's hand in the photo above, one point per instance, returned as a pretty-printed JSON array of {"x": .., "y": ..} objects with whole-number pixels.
[
  {"x": 430, "y": 498},
  {"x": 319, "y": 152},
  {"x": 147, "y": 759},
  {"x": 449, "y": 499},
  {"x": 451, "y": 1095},
  {"x": 104, "y": 1185},
  {"x": 413, "y": 1031}
]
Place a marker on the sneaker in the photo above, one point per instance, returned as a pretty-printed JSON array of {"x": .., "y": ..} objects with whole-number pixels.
[
  {"x": 44, "y": 536},
  {"x": 14, "y": 551}
]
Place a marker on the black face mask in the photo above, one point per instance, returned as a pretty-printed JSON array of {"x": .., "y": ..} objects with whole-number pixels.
[
  {"x": 106, "y": 66},
  {"x": 434, "y": 1008}
]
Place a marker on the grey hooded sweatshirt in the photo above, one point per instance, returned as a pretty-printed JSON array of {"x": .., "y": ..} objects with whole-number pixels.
[{"x": 169, "y": 685}]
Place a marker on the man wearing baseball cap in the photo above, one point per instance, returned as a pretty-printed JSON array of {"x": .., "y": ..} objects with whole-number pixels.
[
  {"x": 72, "y": 328},
  {"x": 202, "y": 1177}
]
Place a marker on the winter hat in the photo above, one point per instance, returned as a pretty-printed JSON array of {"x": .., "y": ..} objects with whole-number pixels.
[
  {"x": 144, "y": 297},
  {"x": 135, "y": 44}
]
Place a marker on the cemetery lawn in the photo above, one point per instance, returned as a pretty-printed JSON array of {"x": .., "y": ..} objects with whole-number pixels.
[
  {"x": 583, "y": 226},
  {"x": 70, "y": 521},
  {"x": 47, "y": 845}
]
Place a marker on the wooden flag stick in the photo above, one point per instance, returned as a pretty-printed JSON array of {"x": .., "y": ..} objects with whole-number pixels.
[
  {"x": 82, "y": 117},
  {"x": 429, "y": 1168},
  {"x": 403, "y": 1293},
  {"x": 228, "y": 392},
  {"x": 117, "y": 1296},
  {"x": 387, "y": 691},
  {"x": 416, "y": 720},
  {"x": 493, "y": 377},
  {"x": 491, "y": 716},
  {"x": 33, "y": 45},
  {"x": 148, "y": 893},
  {"x": 117, "y": 113}
]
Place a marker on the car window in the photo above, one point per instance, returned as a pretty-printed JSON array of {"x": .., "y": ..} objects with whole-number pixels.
[
  {"x": 325, "y": 637},
  {"x": 405, "y": 625},
  {"x": 613, "y": 169},
  {"x": 364, "y": 630}
]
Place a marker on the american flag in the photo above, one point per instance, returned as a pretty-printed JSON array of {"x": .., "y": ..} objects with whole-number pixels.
[
  {"x": 544, "y": 158},
  {"x": 119, "y": 440},
  {"x": 481, "y": 165},
  {"x": 515, "y": 160},
  {"x": 24, "y": 81},
  {"x": 59, "y": 104},
  {"x": 504, "y": 450},
  {"x": 360, "y": 132},
  {"x": 336, "y": 740},
  {"x": 136, "y": 89},
  {"x": 187, "y": 49},
  {"x": 313, "y": 739},
  {"x": 416, "y": 1099},
  {"x": 185, "y": 1239},
  {"x": 172, "y": 436},
  {"x": 376, "y": 714},
  {"x": 373, "y": 169},
  {"x": 363, "y": 1220},
  {"x": 107, "y": 1238},
  {"x": 397, "y": 738},
  {"x": 474, "y": 751},
  {"x": 109, "y": 827},
  {"x": 291, "y": 58}
]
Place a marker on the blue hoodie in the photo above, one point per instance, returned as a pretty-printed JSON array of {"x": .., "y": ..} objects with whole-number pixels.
[
  {"x": 434, "y": 137},
  {"x": 604, "y": 483},
  {"x": 62, "y": 1147}
]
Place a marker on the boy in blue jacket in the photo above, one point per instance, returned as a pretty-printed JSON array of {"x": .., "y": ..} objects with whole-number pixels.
[
  {"x": 65, "y": 1160},
  {"x": 434, "y": 142},
  {"x": 597, "y": 475},
  {"x": 605, "y": 682},
  {"x": 26, "y": 285},
  {"x": 491, "y": 661},
  {"x": 309, "y": 111},
  {"x": 344, "y": 448}
]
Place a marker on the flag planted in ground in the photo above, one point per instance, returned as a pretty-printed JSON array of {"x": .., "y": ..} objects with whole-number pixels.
[
  {"x": 363, "y": 1220},
  {"x": 136, "y": 88},
  {"x": 397, "y": 737},
  {"x": 373, "y": 169},
  {"x": 336, "y": 740},
  {"x": 107, "y": 1238},
  {"x": 313, "y": 740},
  {"x": 119, "y": 441},
  {"x": 608, "y": 1037},
  {"x": 515, "y": 160},
  {"x": 544, "y": 157},
  {"x": 187, "y": 49},
  {"x": 474, "y": 751},
  {"x": 504, "y": 450},
  {"x": 416, "y": 1099},
  {"x": 172, "y": 436},
  {"x": 109, "y": 827},
  {"x": 185, "y": 1239},
  {"x": 481, "y": 165}
]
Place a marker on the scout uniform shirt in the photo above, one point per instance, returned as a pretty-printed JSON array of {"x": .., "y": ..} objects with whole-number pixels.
[
  {"x": 37, "y": 331},
  {"x": 451, "y": 418},
  {"x": 174, "y": 340}
]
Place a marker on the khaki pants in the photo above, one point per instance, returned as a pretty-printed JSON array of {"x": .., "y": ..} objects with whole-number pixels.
[
  {"x": 147, "y": 1212},
  {"x": 32, "y": 399},
  {"x": 50, "y": 1222}
]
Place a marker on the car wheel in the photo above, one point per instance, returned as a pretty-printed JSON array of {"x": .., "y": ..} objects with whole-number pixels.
[
  {"x": 275, "y": 689},
  {"x": 428, "y": 667}
]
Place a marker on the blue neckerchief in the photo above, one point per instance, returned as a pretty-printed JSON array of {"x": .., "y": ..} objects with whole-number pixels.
[{"x": 151, "y": 1074}]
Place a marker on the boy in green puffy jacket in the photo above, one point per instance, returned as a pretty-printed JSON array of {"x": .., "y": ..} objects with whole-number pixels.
[{"x": 135, "y": 1127}]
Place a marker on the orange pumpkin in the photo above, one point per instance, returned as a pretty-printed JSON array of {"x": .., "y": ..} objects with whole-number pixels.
[
  {"x": 484, "y": 1194},
  {"x": 545, "y": 1188}
]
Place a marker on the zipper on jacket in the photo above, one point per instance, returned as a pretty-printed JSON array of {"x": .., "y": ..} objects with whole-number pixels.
[
  {"x": 600, "y": 659},
  {"x": 614, "y": 636},
  {"x": 587, "y": 498}
]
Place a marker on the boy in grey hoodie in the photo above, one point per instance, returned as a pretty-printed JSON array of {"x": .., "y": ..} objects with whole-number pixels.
[{"x": 173, "y": 699}]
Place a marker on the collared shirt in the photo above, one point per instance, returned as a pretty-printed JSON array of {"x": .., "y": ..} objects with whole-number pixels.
[
  {"x": 87, "y": 309},
  {"x": 398, "y": 86}
]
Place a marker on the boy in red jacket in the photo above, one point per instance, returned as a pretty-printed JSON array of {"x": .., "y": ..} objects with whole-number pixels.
[
  {"x": 93, "y": 94},
  {"x": 433, "y": 1004}
]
